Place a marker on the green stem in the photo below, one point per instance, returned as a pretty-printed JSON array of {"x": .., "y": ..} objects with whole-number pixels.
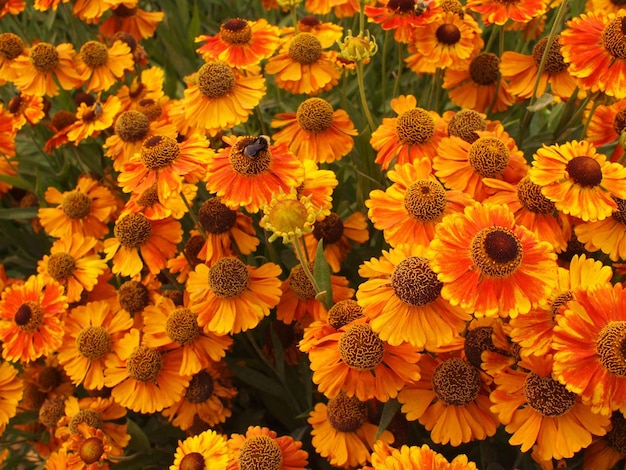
[
  {"x": 366, "y": 109},
  {"x": 193, "y": 215},
  {"x": 305, "y": 265},
  {"x": 383, "y": 78},
  {"x": 362, "y": 17},
  {"x": 294, "y": 18},
  {"x": 396, "y": 85}
]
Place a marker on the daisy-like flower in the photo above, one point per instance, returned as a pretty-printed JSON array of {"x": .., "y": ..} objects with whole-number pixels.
[
  {"x": 414, "y": 134},
  {"x": 134, "y": 234},
  {"x": 137, "y": 22},
  {"x": 11, "y": 47},
  {"x": 608, "y": 451},
  {"x": 36, "y": 72},
  {"x": 31, "y": 319},
  {"x": 606, "y": 126},
  {"x": 207, "y": 399},
  {"x": 336, "y": 235},
  {"x": 489, "y": 265},
  {"x": 521, "y": 71},
  {"x": 451, "y": 400},
  {"x": 11, "y": 391},
  {"x": 303, "y": 66},
  {"x": 142, "y": 378},
  {"x": 316, "y": 131},
  {"x": 241, "y": 43},
  {"x": 74, "y": 264},
  {"x": 539, "y": 411},
  {"x": 92, "y": 334},
  {"x": 408, "y": 210},
  {"x": 147, "y": 85},
  {"x": 608, "y": 235},
  {"x": 165, "y": 162},
  {"x": 593, "y": 46},
  {"x": 299, "y": 300},
  {"x": 88, "y": 448},
  {"x": 499, "y": 12},
  {"x": 403, "y": 17},
  {"x": 220, "y": 97},
  {"x": 101, "y": 67},
  {"x": 327, "y": 32},
  {"x": 462, "y": 165},
  {"x": 26, "y": 109},
  {"x": 288, "y": 216},
  {"x": 587, "y": 339},
  {"x": 250, "y": 181},
  {"x": 167, "y": 326},
  {"x": 91, "y": 11},
  {"x": 388, "y": 458},
  {"x": 478, "y": 86},
  {"x": 261, "y": 448},
  {"x": 342, "y": 431},
  {"x": 150, "y": 204},
  {"x": 230, "y": 296},
  {"x": 357, "y": 361},
  {"x": 487, "y": 346},
  {"x": 448, "y": 41},
  {"x": 402, "y": 298},
  {"x": 86, "y": 210},
  {"x": 319, "y": 185},
  {"x": 92, "y": 119},
  {"x": 59, "y": 124},
  {"x": 339, "y": 315},
  {"x": 579, "y": 180},
  {"x": 200, "y": 451}
]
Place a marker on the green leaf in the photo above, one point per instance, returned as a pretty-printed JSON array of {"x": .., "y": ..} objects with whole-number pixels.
[
  {"x": 321, "y": 273},
  {"x": 279, "y": 354},
  {"x": 544, "y": 100},
  {"x": 390, "y": 408},
  {"x": 257, "y": 380},
  {"x": 139, "y": 440},
  {"x": 18, "y": 213},
  {"x": 17, "y": 182}
]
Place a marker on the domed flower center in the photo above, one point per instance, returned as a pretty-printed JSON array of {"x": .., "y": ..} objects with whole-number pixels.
[
  {"x": 216, "y": 79},
  {"x": 361, "y": 348},
  {"x": 149, "y": 197},
  {"x": 346, "y": 414},
  {"x": 308, "y": 23},
  {"x": 616, "y": 437},
  {"x": 133, "y": 230},
  {"x": 425, "y": 200},
  {"x": 585, "y": 171},
  {"x": 193, "y": 461},
  {"x": 401, "y": 6},
  {"x": 415, "y": 127},
  {"x": 236, "y": 31},
  {"x": 484, "y": 69},
  {"x": 453, "y": 6},
  {"x": 228, "y": 278},
  {"x": 44, "y": 57},
  {"x": 75, "y": 204},
  {"x": 11, "y": 46},
  {"x": 415, "y": 283},
  {"x": 144, "y": 364},
  {"x": 343, "y": 312},
  {"x": 488, "y": 156},
  {"x": 133, "y": 296},
  {"x": 123, "y": 11},
  {"x": 288, "y": 217},
  {"x": 182, "y": 326},
  {"x": 91, "y": 417},
  {"x": 62, "y": 119},
  {"x": 305, "y": 48},
  {"x": 93, "y": 342},
  {"x": 300, "y": 284},
  {"x": 330, "y": 229},
  {"x": 200, "y": 388},
  {"x": 94, "y": 54},
  {"x": 245, "y": 165},
  {"x": 465, "y": 123},
  {"x": 620, "y": 213},
  {"x": 51, "y": 411},
  {"x": 547, "y": 396},
  {"x": 611, "y": 347},
  {"x": 476, "y": 342},
  {"x": 193, "y": 247},
  {"x": 448, "y": 34},
  {"x": 529, "y": 194},
  {"x": 496, "y": 251},
  {"x": 61, "y": 266},
  {"x": 315, "y": 115},
  {"x": 150, "y": 108},
  {"x": 91, "y": 450},
  {"x": 554, "y": 60},
  {"x": 49, "y": 378},
  {"x": 561, "y": 300},
  {"x": 614, "y": 37},
  {"x": 216, "y": 217},
  {"x": 619, "y": 122},
  {"x": 132, "y": 126},
  {"x": 17, "y": 104},
  {"x": 456, "y": 382},
  {"x": 159, "y": 151},
  {"x": 29, "y": 317},
  {"x": 260, "y": 452}
]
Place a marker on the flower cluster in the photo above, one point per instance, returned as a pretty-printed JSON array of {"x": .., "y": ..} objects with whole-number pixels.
[{"x": 447, "y": 180}]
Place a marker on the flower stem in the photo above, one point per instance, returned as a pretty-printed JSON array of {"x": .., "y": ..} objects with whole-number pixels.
[
  {"x": 366, "y": 109},
  {"x": 305, "y": 265}
]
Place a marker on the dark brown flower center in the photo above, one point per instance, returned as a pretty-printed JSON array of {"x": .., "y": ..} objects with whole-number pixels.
[
  {"x": 94, "y": 54},
  {"x": 300, "y": 284},
  {"x": 132, "y": 126},
  {"x": 150, "y": 108},
  {"x": 611, "y": 347},
  {"x": 484, "y": 69},
  {"x": 236, "y": 31},
  {"x": 44, "y": 57},
  {"x": 228, "y": 277},
  {"x": 159, "y": 151},
  {"x": 91, "y": 417},
  {"x": 554, "y": 60},
  {"x": 346, "y": 414},
  {"x": 93, "y": 342},
  {"x": 620, "y": 213},
  {"x": 343, "y": 312},
  {"x": 182, "y": 326},
  {"x": 51, "y": 411},
  {"x": 415, "y": 283},
  {"x": 529, "y": 194},
  {"x": 315, "y": 115},
  {"x": 361, "y": 348},
  {"x": 11, "y": 46},
  {"x": 133, "y": 230},
  {"x": 216, "y": 217},
  {"x": 249, "y": 165},
  {"x": 193, "y": 461},
  {"x": 585, "y": 171},
  {"x": 561, "y": 300},
  {"x": 401, "y": 6},
  {"x": 329, "y": 229},
  {"x": 547, "y": 396},
  {"x": 61, "y": 266},
  {"x": 456, "y": 382},
  {"x": 476, "y": 342},
  {"x": 488, "y": 156},
  {"x": 133, "y": 296},
  {"x": 144, "y": 364},
  {"x": 496, "y": 251},
  {"x": 62, "y": 119},
  {"x": 91, "y": 450},
  {"x": 75, "y": 204},
  {"x": 200, "y": 388},
  {"x": 29, "y": 317},
  {"x": 193, "y": 247},
  {"x": 448, "y": 34},
  {"x": 616, "y": 437},
  {"x": 619, "y": 122},
  {"x": 614, "y": 37},
  {"x": 465, "y": 123},
  {"x": 149, "y": 197},
  {"x": 425, "y": 200},
  {"x": 415, "y": 127},
  {"x": 305, "y": 48},
  {"x": 216, "y": 79}
]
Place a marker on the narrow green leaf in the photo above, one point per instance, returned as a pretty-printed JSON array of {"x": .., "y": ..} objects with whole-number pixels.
[
  {"x": 279, "y": 354},
  {"x": 544, "y": 100},
  {"x": 390, "y": 408},
  {"x": 17, "y": 182},
  {"x": 257, "y": 380},
  {"x": 321, "y": 273},
  {"x": 18, "y": 213},
  {"x": 139, "y": 440}
]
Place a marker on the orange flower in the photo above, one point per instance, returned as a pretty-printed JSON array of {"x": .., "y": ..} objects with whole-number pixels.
[
  {"x": 498, "y": 12},
  {"x": 388, "y": 458},
  {"x": 609, "y": 450},
  {"x": 139, "y": 23},
  {"x": 261, "y": 448},
  {"x": 204, "y": 449},
  {"x": 26, "y": 109},
  {"x": 302, "y": 66},
  {"x": 11, "y": 47},
  {"x": 90, "y": 448},
  {"x": 328, "y": 33},
  {"x": 606, "y": 126},
  {"x": 414, "y": 134},
  {"x": 316, "y": 131},
  {"x": 92, "y": 119},
  {"x": 241, "y": 43},
  {"x": 31, "y": 319},
  {"x": 12, "y": 7},
  {"x": 489, "y": 265},
  {"x": 11, "y": 391},
  {"x": 102, "y": 67},
  {"x": 607, "y": 235},
  {"x": 148, "y": 85},
  {"x": 403, "y": 17},
  {"x": 319, "y": 186}
]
